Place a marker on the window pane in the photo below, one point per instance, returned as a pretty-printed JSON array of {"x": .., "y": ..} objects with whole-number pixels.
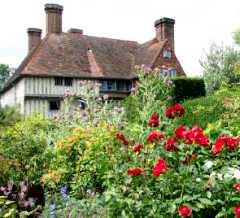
[
  {"x": 121, "y": 85},
  {"x": 103, "y": 85},
  {"x": 58, "y": 81},
  {"x": 68, "y": 81},
  {"x": 54, "y": 105},
  {"x": 111, "y": 85}
]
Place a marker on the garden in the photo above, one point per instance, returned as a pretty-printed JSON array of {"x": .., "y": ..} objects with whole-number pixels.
[{"x": 164, "y": 151}]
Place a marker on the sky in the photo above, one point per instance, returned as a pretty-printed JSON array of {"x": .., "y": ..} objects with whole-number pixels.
[{"x": 198, "y": 24}]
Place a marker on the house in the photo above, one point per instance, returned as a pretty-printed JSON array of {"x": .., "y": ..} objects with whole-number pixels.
[{"x": 60, "y": 60}]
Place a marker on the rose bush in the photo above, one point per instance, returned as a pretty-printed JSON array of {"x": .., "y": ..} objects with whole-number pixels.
[{"x": 148, "y": 166}]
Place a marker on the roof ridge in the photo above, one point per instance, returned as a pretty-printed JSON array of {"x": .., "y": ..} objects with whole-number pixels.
[{"x": 108, "y": 38}]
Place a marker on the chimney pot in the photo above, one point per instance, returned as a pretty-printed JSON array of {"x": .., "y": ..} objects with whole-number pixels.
[
  {"x": 165, "y": 30},
  {"x": 53, "y": 18},
  {"x": 34, "y": 38},
  {"x": 74, "y": 30}
]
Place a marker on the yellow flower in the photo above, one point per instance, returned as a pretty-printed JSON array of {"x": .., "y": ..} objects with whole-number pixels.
[{"x": 151, "y": 146}]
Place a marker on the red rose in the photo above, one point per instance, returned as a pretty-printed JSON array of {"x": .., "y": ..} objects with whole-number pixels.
[
  {"x": 194, "y": 156},
  {"x": 237, "y": 187},
  {"x": 170, "y": 144},
  {"x": 135, "y": 172},
  {"x": 184, "y": 210},
  {"x": 169, "y": 113},
  {"x": 195, "y": 135},
  {"x": 175, "y": 110},
  {"x": 181, "y": 132},
  {"x": 237, "y": 211},
  {"x": 160, "y": 136},
  {"x": 137, "y": 148},
  {"x": 122, "y": 138},
  {"x": 160, "y": 167},
  {"x": 219, "y": 144},
  {"x": 178, "y": 109},
  {"x": 154, "y": 120},
  {"x": 154, "y": 135},
  {"x": 232, "y": 142}
]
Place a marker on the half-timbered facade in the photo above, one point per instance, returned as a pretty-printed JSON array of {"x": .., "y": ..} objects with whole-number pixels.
[{"x": 59, "y": 62}]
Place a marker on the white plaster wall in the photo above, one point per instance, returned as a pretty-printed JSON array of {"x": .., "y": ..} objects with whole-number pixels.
[
  {"x": 46, "y": 86},
  {"x": 14, "y": 96},
  {"x": 39, "y": 106}
]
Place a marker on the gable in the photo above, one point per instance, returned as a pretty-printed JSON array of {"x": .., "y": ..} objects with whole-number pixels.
[{"x": 167, "y": 60}]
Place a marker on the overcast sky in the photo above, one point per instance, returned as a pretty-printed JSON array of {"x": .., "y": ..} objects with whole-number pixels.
[{"x": 198, "y": 23}]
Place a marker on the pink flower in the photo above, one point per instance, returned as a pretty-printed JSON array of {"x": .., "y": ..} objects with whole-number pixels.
[{"x": 160, "y": 167}]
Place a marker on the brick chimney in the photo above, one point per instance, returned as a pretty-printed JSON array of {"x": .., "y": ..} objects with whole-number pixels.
[
  {"x": 165, "y": 30},
  {"x": 34, "y": 38},
  {"x": 53, "y": 18}
]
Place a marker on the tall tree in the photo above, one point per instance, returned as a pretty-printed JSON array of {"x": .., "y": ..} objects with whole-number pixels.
[
  {"x": 4, "y": 74},
  {"x": 220, "y": 65}
]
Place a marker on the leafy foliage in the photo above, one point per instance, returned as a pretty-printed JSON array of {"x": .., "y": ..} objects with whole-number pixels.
[
  {"x": 8, "y": 116},
  {"x": 220, "y": 65},
  {"x": 4, "y": 74},
  {"x": 100, "y": 181},
  {"x": 131, "y": 161},
  {"x": 23, "y": 150}
]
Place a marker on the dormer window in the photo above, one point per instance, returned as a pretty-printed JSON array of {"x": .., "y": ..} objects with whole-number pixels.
[{"x": 167, "y": 54}]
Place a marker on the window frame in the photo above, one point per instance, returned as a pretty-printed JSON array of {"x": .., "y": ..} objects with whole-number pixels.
[
  {"x": 59, "y": 81},
  {"x": 58, "y": 105},
  {"x": 68, "y": 81}
]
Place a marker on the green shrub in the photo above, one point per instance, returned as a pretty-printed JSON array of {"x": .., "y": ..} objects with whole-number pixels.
[
  {"x": 24, "y": 153},
  {"x": 8, "y": 116},
  {"x": 187, "y": 88}
]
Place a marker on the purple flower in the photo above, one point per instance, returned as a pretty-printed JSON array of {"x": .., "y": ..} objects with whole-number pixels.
[
  {"x": 169, "y": 82},
  {"x": 64, "y": 192}
]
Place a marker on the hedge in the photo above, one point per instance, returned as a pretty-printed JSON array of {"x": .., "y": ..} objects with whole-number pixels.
[{"x": 187, "y": 88}]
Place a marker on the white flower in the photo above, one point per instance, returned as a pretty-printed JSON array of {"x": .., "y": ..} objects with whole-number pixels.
[
  {"x": 232, "y": 173},
  {"x": 198, "y": 180},
  {"x": 220, "y": 176},
  {"x": 236, "y": 174},
  {"x": 208, "y": 164}
]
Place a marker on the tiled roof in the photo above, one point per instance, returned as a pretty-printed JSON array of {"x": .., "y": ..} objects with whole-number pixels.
[
  {"x": 148, "y": 52},
  {"x": 75, "y": 55},
  {"x": 82, "y": 56}
]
